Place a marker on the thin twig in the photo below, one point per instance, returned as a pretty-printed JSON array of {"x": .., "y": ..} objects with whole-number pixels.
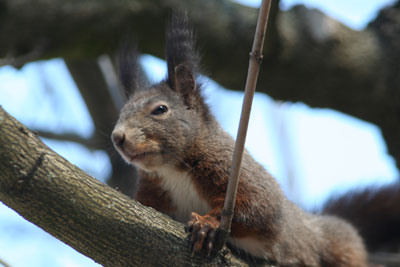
[
  {"x": 4, "y": 264},
  {"x": 254, "y": 67}
]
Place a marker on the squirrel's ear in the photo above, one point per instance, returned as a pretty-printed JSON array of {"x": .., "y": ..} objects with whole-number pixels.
[
  {"x": 131, "y": 74},
  {"x": 185, "y": 83},
  {"x": 182, "y": 58}
]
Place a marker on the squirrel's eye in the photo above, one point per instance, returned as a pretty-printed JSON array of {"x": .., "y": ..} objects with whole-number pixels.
[{"x": 161, "y": 109}]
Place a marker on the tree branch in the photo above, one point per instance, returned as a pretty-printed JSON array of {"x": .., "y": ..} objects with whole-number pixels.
[
  {"x": 86, "y": 214},
  {"x": 89, "y": 143},
  {"x": 309, "y": 57},
  {"x": 385, "y": 259},
  {"x": 4, "y": 264},
  {"x": 256, "y": 57}
]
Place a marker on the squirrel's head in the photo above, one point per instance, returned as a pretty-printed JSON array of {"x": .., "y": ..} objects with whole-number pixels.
[{"x": 160, "y": 122}]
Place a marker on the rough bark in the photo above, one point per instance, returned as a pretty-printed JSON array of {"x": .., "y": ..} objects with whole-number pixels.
[
  {"x": 308, "y": 56},
  {"x": 88, "y": 215}
]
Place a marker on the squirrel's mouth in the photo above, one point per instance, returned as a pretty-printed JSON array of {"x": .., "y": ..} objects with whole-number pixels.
[
  {"x": 135, "y": 157},
  {"x": 139, "y": 156}
]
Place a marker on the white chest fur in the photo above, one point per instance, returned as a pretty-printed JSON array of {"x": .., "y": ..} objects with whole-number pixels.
[{"x": 183, "y": 194}]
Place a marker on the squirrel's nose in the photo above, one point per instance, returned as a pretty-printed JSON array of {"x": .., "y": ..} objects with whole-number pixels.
[{"x": 118, "y": 138}]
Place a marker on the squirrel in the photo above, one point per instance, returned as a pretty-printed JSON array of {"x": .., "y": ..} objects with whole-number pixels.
[
  {"x": 184, "y": 157},
  {"x": 375, "y": 212}
]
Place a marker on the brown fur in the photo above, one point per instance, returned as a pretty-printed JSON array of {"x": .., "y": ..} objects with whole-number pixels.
[
  {"x": 375, "y": 212},
  {"x": 185, "y": 170},
  {"x": 151, "y": 194}
]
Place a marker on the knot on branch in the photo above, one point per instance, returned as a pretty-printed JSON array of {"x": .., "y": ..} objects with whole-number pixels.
[
  {"x": 257, "y": 56},
  {"x": 227, "y": 212},
  {"x": 32, "y": 172}
]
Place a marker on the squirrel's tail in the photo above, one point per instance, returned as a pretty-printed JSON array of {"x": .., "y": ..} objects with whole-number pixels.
[{"x": 375, "y": 212}]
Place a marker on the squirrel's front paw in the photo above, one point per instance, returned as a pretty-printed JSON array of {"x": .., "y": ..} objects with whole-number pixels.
[{"x": 202, "y": 230}]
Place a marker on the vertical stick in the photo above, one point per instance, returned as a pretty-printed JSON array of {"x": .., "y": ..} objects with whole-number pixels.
[{"x": 254, "y": 67}]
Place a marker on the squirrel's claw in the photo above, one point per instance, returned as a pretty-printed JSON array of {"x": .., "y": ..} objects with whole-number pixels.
[
  {"x": 188, "y": 228},
  {"x": 202, "y": 228},
  {"x": 210, "y": 240}
]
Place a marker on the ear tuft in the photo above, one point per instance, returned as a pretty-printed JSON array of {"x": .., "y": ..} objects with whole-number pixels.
[
  {"x": 131, "y": 74},
  {"x": 180, "y": 48},
  {"x": 185, "y": 83}
]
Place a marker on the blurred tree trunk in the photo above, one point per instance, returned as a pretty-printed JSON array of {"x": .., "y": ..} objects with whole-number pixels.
[
  {"x": 308, "y": 56},
  {"x": 86, "y": 214},
  {"x": 104, "y": 112}
]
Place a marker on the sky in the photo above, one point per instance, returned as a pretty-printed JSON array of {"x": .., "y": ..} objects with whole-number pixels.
[
  {"x": 354, "y": 13},
  {"x": 327, "y": 151}
]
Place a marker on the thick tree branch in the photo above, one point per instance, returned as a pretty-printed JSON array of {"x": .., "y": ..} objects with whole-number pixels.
[
  {"x": 86, "y": 214},
  {"x": 79, "y": 29},
  {"x": 386, "y": 259},
  {"x": 308, "y": 56}
]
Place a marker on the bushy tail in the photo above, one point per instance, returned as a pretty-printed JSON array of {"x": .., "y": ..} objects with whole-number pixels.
[{"x": 375, "y": 212}]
